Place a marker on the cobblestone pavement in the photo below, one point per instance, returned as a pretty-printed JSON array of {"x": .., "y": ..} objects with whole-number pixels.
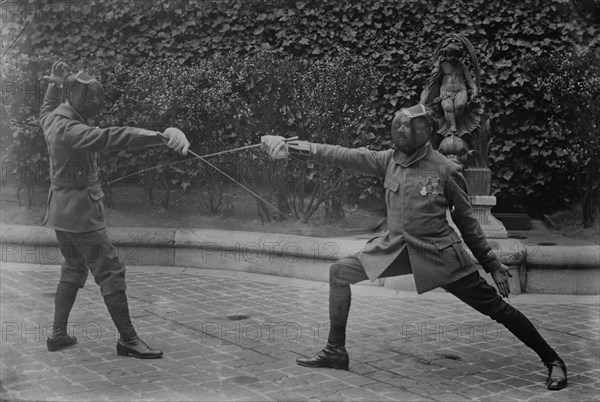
[{"x": 235, "y": 336}]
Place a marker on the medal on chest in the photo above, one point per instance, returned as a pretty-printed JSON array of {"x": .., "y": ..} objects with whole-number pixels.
[{"x": 429, "y": 186}]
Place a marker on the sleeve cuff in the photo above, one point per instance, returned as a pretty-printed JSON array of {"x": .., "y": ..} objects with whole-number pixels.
[
  {"x": 493, "y": 265},
  {"x": 149, "y": 138},
  {"x": 301, "y": 148},
  {"x": 149, "y": 133}
]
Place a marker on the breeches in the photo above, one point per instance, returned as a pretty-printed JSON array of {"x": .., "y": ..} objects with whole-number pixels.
[
  {"x": 91, "y": 252},
  {"x": 472, "y": 289}
]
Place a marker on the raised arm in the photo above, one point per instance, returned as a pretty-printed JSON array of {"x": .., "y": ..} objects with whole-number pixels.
[
  {"x": 54, "y": 92},
  {"x": 51, "y": 100}
]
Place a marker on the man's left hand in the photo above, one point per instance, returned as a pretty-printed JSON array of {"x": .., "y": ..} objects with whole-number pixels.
[
  {"x": 57, "y": 74},
  {"x": 501, "y": 276}
]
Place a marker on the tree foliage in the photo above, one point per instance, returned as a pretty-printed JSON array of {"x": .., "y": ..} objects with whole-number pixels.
[
  {"x": 569, "y": 84},
  {"x": 397, "y": 38}
]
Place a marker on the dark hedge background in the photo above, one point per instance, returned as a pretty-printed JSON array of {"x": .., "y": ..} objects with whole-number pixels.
[{"x": 531, "y": 164}]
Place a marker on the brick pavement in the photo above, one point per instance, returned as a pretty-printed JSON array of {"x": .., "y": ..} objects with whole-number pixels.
[{"x": 235, "y": 336}]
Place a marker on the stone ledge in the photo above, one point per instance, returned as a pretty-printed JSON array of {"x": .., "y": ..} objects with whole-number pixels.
[
  {"x": 563, "y": 257},
  {"x": 548, "y": 269}
]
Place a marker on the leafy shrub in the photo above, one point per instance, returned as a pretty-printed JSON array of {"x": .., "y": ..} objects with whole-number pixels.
[
  {"x": 397, "y": 37},
  {"x": 24, "y": 156},
  {"x": 323, "y": 100},
  {"x": 197, "y": 99},
  {"x": 569, "y": 85}
]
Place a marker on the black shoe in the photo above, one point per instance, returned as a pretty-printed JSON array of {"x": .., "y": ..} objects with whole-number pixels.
[
  {"x": 332, "y": 356},
  {"x": 137, "y": 348},
  {"x": 59, "y": 342},
  {"x": 557, "y": 375}
]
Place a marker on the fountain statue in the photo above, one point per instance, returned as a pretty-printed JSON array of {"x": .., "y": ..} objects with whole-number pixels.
[{"x": 453, "y": 92}]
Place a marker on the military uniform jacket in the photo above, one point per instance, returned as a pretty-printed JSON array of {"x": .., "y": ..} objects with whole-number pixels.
[
  {"x": 75, "y": 197},
  {"x": 419, "y": 239}
]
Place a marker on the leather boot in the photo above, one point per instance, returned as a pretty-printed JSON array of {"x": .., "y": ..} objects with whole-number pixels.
[
  {"x": 331, "y": 356},
  {"x": 63, "y": 303},
  {"x": 557, "y": 375},
  {"x": 118, "y": 308},
  {"x": 60, "y": 341},
  {"x": 137, "y": 348},
  {"x": 129, "y": 343}
]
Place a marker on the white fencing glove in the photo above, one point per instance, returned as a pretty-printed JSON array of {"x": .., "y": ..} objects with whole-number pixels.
[
  {"x": 176, "y": 140},
  {"x": 275, "y": 146}
]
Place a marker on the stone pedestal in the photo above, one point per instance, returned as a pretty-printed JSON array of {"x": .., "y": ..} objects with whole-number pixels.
[
  {"x": 479, "y": 186},
  {"x": 492, "y": 227},
  {"x": 478, "y": 180}
]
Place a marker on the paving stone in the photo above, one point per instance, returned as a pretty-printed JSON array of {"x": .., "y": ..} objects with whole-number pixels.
[
  {"x": 408, "y": 349},
  {"x": 143, "y": 387},
  {"x": 473, "y": 392},
  {"x": 285, "y": 395},
  {"x": 447, "y": 396},
  {"x": 37, "y": 394}
]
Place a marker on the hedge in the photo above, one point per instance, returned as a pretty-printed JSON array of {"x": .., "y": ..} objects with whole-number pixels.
[{"x": 396, "y": 38}]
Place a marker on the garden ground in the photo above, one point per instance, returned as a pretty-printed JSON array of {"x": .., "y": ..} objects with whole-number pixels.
[
  {"x": 188, "y": 212},
  {"x": 235, "y": 336}
]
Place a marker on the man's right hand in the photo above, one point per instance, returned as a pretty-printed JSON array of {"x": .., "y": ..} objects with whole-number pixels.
[
  {"x": 176, "y": 140},
  {"x": 58, "y": 73},
  {"x": 278, "y": 147},
  {"x": 275, "y": 146}
]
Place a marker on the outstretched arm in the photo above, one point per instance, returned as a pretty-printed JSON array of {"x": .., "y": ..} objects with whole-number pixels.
[
  {"x": 94, "y": 139},
  {"x": 359, "y": 160},
  {"x": 80, "y": 136}
]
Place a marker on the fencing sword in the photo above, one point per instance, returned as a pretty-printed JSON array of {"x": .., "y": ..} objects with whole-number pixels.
[
  {"x": 196, "y": 156},
  {"x": 203, "y": 159}
]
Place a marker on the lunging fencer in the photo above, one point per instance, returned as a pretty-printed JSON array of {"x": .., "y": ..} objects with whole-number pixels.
[
  {"x": 75, "y": 208},
  {"x": 420, "y": 186}
]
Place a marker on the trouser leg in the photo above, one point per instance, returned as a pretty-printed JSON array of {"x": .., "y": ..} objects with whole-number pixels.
[
  {"x": 74, "y": 269},
  {"x": 477, "y": 293},
  {"x": 73, "y": 275},
  {"x": 341, "y": 275},
  {"x": 101, "y": 259}
]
